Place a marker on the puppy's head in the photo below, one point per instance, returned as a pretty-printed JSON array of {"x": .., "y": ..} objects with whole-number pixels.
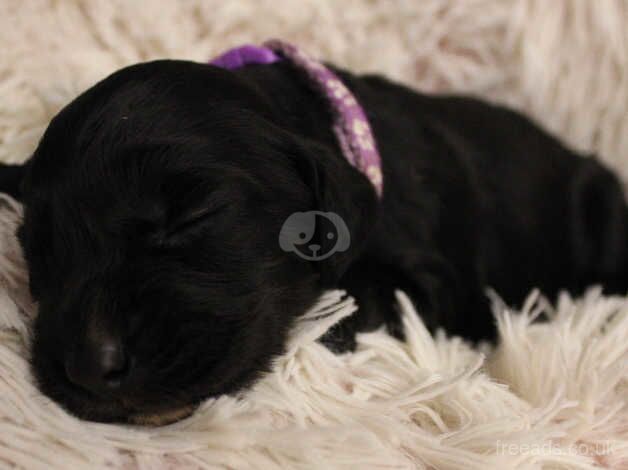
[{"x": 153, "y": 207}]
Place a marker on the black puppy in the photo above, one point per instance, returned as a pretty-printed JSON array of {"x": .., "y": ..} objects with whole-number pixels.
[{"x": 155, "y": 201}]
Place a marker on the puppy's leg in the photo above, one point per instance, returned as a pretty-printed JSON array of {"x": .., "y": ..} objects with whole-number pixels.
[
  {"x": 372, "y": 285},
  {"x": 599, "y": 228},
  {"x": 444, "y": 297},
  {"x": 450, "y": 297},
  {"x": 11, "y": 180}
]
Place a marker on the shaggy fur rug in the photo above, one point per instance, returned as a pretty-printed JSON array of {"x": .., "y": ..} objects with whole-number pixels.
[{"x": 551, "y": 395}]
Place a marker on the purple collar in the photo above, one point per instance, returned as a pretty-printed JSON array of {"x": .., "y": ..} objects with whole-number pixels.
[{"x": 351, "y": 125}]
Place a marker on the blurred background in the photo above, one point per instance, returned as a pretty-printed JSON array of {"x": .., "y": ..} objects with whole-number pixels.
[{"x": 564, "y": 62}]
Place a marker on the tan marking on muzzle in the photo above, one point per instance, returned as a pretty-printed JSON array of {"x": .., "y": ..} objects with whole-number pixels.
[{"x": 164, "y": 418}]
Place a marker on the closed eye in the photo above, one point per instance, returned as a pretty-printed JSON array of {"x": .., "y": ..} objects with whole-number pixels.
[
  {"x": 190, "y": 220},
  {"x": 186, "y": 226}
]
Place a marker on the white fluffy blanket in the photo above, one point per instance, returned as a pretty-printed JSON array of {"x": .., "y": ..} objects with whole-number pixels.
[{"x": 552, "y": 395}]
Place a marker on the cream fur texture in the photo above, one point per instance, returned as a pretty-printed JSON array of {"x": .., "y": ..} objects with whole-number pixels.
[{"x": 552, "y": 395}]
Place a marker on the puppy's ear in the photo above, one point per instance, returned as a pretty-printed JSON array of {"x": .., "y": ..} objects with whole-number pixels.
[{"x": 340, "y": 189}]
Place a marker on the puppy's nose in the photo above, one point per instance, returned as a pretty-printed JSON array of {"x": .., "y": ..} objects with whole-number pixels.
[
  {"x": 100, "y": 367},
  {"x": 314, "y": 247}
]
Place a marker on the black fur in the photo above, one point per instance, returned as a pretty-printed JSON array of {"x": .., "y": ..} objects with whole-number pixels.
[{"x": 155, "y": 200}]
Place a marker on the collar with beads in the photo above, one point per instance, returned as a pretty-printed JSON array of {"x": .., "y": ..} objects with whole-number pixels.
[{"x": 350, "y": 123}]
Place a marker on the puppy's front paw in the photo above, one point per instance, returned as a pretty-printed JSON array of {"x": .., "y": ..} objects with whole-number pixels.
[{"x": 340, "y": 338}]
